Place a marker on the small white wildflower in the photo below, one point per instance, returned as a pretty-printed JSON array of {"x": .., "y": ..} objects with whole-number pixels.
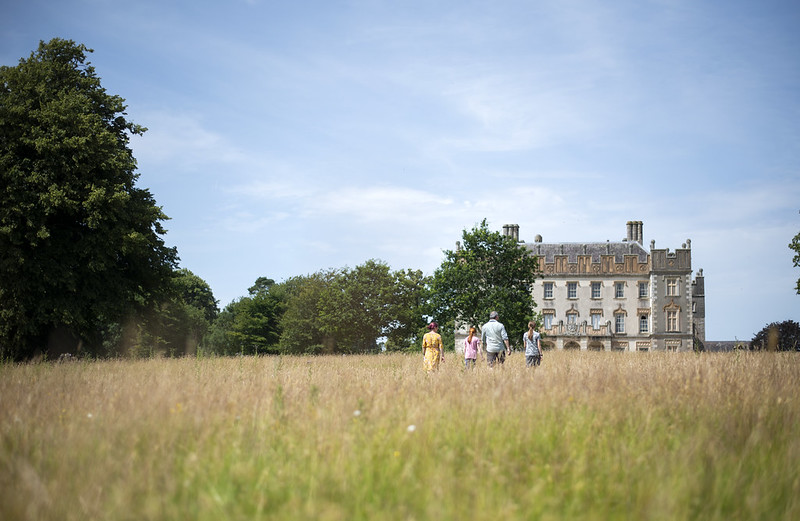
[
  {"x": 411, "y": 428},
  {"x": 89, "y": 415},
  {"x": 356, "y": 413}
]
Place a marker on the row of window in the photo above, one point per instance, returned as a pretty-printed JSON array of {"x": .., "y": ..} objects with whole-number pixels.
[
  {"x": 672, "y": 285},
  {"x": 673, "y": 323}
]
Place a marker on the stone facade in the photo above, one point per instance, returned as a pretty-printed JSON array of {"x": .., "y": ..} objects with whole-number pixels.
[{"x": 616, "y": 296}]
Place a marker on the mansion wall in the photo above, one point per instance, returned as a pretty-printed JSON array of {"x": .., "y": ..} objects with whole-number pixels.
[{"x": 616, "y": 296}]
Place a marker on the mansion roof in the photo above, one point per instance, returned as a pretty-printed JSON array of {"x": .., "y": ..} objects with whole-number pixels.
[{"x": 596, "y": 249}]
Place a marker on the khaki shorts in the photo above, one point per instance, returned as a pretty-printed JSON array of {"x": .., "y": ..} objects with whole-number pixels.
[{"x": 492, "y": 357}]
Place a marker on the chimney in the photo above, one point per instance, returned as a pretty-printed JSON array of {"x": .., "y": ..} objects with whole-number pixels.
[
  {"x": 511, "y": 230},
  {"x": 635, "y": 231}
]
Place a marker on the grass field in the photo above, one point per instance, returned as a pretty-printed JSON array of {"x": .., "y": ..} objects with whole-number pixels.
[{"x": 586, "y": 436}]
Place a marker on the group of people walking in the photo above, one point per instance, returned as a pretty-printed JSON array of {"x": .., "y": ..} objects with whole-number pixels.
[{"x": 493, "y": 340}]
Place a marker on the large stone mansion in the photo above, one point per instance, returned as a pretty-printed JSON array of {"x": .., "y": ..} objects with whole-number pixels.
[{"x": 617, "y": 296}]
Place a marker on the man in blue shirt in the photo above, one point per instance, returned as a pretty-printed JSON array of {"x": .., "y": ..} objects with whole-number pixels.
[{"x": 493, "y": 337}]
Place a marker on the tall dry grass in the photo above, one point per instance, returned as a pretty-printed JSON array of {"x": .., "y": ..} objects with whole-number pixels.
[{"x": 585, "y": 436}]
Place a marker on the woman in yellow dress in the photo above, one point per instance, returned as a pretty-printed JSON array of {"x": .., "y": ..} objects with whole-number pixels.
[{"x": 432, "y": 351}]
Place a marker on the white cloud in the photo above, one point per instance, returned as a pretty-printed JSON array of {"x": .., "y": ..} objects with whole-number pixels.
[{"x": 182, "y": 140}]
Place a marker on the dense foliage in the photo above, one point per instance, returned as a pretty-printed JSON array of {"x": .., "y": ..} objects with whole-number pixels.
[
  {"x": 80, "y": 244},
  {"x": 778, "y": 336},
  {"x": 489, "y": 271},
  {"x": 249, "y": 325},
  {"x": 334, "y": 311}
]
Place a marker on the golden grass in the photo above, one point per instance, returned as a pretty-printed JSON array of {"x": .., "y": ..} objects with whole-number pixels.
[{"x": 585, "y": 436}]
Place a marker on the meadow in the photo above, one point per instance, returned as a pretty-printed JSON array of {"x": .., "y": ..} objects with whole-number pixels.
[{"x": 588, "y": 435}]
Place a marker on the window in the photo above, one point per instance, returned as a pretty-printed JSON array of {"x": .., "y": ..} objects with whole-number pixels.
[
  {"x": 572, "y": 290},
  {"x": 644, "y": 289},
  {"x": 619, "y": 323},
  {"x": 672, "y": 320},
  {"x": 643, "y": 324},
  {"x": 548, "y": 290},
  {"x": 596, "y": 320},
  {"x": 619, "y": 289},
  {"x": 595, "y": 290},
  {"x": 548, "y": 320},
  {"x": 672, "y": 287}
]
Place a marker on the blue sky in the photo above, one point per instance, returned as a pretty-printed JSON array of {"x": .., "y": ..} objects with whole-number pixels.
[{"x": 290, "y": 137}]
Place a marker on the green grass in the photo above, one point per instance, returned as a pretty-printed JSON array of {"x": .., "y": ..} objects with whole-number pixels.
[{"x": 586, "y": 436}]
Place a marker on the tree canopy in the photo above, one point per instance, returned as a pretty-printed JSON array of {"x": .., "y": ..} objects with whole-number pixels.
[
  {"x": 778, "y": 336},
  {"x": 80, "y": 244},
  {"x": 489, "y": 271}
]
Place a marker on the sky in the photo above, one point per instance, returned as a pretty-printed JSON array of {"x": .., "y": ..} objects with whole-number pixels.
[{"x": 285, "y": 138}]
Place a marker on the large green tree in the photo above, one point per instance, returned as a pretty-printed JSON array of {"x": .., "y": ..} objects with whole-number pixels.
[
  {"x": 489, "y": 271},
  {"x": 301, "y": 330},
  {"x": 80, "y": 244},
  {"x": 251, "y": 324},
  {"x": 348, "y": 310}
]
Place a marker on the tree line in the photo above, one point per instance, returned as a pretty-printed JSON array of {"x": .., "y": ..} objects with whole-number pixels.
[{"x": 84, "y": 267}]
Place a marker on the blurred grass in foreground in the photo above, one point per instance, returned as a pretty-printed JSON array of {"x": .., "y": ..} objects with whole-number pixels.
[{"x": 586, "y": 436}]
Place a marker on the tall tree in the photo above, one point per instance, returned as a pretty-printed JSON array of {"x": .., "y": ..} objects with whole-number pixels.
[
  {"x": 490, "y": 271},
  {"x": 250, "y": 325},
  {"x": 301, "y": 330},
  {"x": 80, "y": 244},
  {"x": 358, "y": 307},
  {"x": 348, "y": 310},
  {"x": 407, "y": 310}
]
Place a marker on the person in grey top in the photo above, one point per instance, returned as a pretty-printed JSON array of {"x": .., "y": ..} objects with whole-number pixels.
[
  {"x": 494, "y": 337},
  {"x": 533, "y": 347}
]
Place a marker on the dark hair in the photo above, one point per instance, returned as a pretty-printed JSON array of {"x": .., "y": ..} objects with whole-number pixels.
[{"x": 432, "y": 326}]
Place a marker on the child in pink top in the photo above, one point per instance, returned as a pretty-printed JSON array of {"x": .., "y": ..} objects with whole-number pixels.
[{"x": 471, "y": 348}]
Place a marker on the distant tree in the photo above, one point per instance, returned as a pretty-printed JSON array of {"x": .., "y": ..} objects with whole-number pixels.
[
  {"x": 174, "y": 327},
  {"x": 301, "y": 329},
  {"x": 778, "y": 336},
  {"x": 80, "y": 245},
  {"x": 358, "y": 307},
  {"x": 795, "y": 246},
  {"x": 407, "y": 310},
  {"x": 489, "y": 272},
  {"x": 196, "y": 292},
  {"x": 251, "y": 325},
  {"x": 348, "y": 310}
]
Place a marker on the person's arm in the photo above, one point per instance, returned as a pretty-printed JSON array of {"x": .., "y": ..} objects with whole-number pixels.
[{"x": 508, "y": 346}]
